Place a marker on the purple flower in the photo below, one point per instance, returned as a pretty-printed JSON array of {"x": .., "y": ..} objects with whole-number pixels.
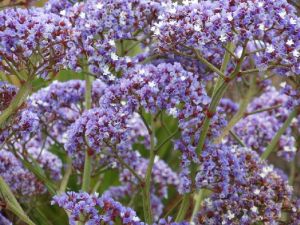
[{"x": 244, "y": 187}]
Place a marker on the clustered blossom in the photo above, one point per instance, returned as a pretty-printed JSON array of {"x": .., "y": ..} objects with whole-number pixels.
[
  {"x": 97, "y": 209},
  {"x": 208, "y": 26},
  {"x": 167, "y": 87},
  {"x": 162, "y": 177},
  {"x": 245, "y": 188},
  {"x": 88, "y": 206},
  {"x": 61, "y": 103},
  {"x": 228, "y": 107},
  {"x": 97, "y": 45},
  {"x": 294, "y": 96},
  {"x": 21, "y": 127},
  {"x": 21, "y": 181},
  {"x": 257, "y": 130},
  {"x": 32, "y": 41}
]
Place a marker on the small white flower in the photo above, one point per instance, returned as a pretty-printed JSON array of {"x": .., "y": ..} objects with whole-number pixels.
[
  {"x": 230, "y": 215},
  {"x": 111, "y": 77},
  {"x": 270, "y": 49},
  {"x": 282, "y": 14},
  {"x": 136, "y": 219},
  {"x": 156, "y": 158},
  {"x": 256, "y": 191},
  {"x": 289, "y": 149},
  {"x": 106, "y": 70},
  {"x": 156, "y": 31},
  {"x": 197, "y": 27},
  {"x": 173, "y": 112},
  {"x": 260, "y": 4},
  {"x": 63, "y": 12},
  {"x": 112, "y": 42},
  {"x": 114, "y": 56},
  {"x": 172, "y": 10},
  {"x": 265, "y": 171},
  {"x": 254, "y": 209},
  {"x": 223, "y": 37},
  {"x": 152, "y": 84},
  {"x": 229, "y": 16},
  {"x": 82, "y": 15},
  {"x": 290, "y": 42},
  {"x": 262, "y": 26},
  {"x": 183, "y": 78},
  {"x": 293, "y": 21},
  {"x": 296, "y": 53},
  {"x": 282, "y": 84},
  {"x": 99, "y": 5}
]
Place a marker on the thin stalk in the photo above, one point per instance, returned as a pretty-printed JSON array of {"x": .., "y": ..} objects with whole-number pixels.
[
  {"x": 293, "y": 169},
  {"x": 17, "y": 101},
  {"x": 263, "y": 110},
  {"x": 209, "y": 65},
  {"x": 271, "y": 146},
  {"x": 241, "y": 112},
  {"x": 166, "y": 140},
  {"x": 146, "y": 191},
  {"x": 215, "y": 101},
  {"x": 88, "y": 160},
  {"x": 199, "y": 199},
  {"x": 183, "y": 208},
  {"x": 237, "y": 138},
  {"x": 65, "y": 180}
]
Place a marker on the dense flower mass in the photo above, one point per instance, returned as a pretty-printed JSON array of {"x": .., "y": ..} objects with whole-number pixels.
[
  {"x": 257, "y": 130},
  {"x": 244, "y": 188},
  {"x": 20, "y": 180},
  {"x": 208, "y": 26},
  {"x": 177, "y": 112},
  {"x": 32, "y": 42}
]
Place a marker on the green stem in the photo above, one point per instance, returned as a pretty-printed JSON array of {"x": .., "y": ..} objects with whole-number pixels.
[
  {"x": 88, "y": 160},
  {"x": 280, "y": 132},
  {"x": 293, "y": 169},
  {"x": 237, "y": 138},
  {"x": 241, "y": 112},
  {"x": 146, "y": 191},
  {"x": 215, "y": 101},
  {"x": 183, "y": 208},
  {"x": 17, "y": 101},
  {"x": 199, "y": 199},
  {"x": 65, "y": 180},
  {"x": 263, "y": 110}
]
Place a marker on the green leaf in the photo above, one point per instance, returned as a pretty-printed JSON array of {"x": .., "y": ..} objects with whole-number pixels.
[{"x": 12, "y": 203}]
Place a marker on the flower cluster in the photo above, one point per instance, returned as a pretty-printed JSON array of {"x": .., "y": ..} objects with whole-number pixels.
[
  {"x": 245, "y": 189},
  {"x": 294, "y": 96},
  {"x": 98, "y": 45},
  {"x": 20, "y": 180},
  {"x": 162, "y": 177},
  {"x": 83, "y": 204},
  {"x": 61, "y": 103},
  {"x": 32, "y": 42},
  {"x": 257, "y": 130},
  {"x": 208, "y": 26}
]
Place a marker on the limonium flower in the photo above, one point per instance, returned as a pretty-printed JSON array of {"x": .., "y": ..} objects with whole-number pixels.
[
  {"x": 257, "y": 130},
  {"x": 32, "y": 42},
  {"x": 245, "y": 188},
  {"x": 208, "y": 26}
]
